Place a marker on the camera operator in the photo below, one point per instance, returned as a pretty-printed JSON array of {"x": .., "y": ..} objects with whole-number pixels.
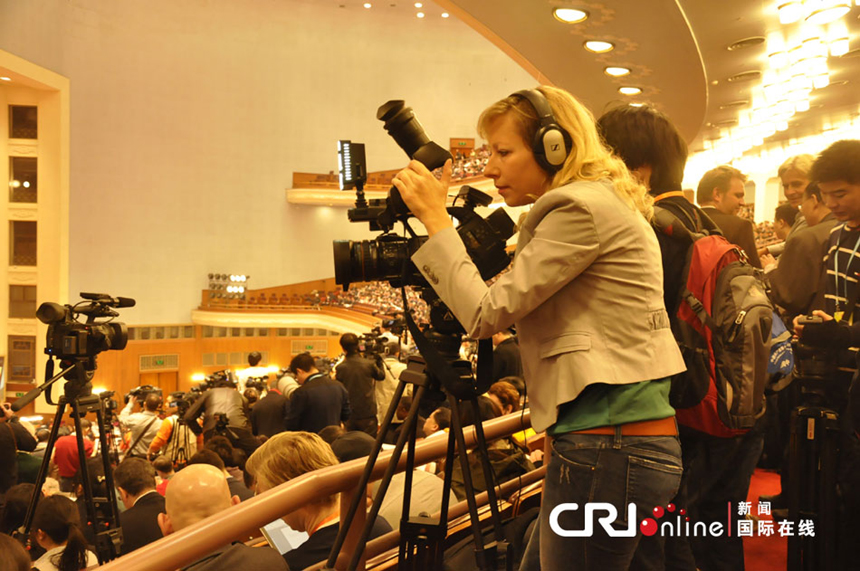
[
  {"x": 174, "y": 437},
  {"x": 253, "y": 370},
  {"x": 142, "y": 425},
  {"x": 223, "y": 402},
  {"x": 358, "y": 374},
  {"x": 595, "y": 341},
  {"x": 385, "y": 389},
  {"x": 837, "y": 172}
]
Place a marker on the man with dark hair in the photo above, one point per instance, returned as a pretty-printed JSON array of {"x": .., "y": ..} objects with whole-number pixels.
[
  {"x": 783, "y": 220},
  {"x": 796, "y": 282},
  {"x": 506, "y": 356},
  {"x": 254, "y": 370},
  {"x": 227, "y": 456},
  {"x": 358, "y": 375},
  {"x": 135, "y": 480},
  {"x": 224, "y": 402},
  {"x": 319, "y": 401},
  {"x": 721, "y": 195},
  {"x": 837, "y": 172},
  {"x": 269, "y": 415},
  {"x": 142, "y": 425}
]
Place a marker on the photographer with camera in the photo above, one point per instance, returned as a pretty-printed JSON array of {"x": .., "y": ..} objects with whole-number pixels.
[
  {"x": 174, "y": 438},
  {"x": 254, "y": 370},
  {"x": 359, "y": 375},
  {"x": 595, "y": 341},
  {"x": 225, "y": 412},
  {"x": 143, "y": 425}
]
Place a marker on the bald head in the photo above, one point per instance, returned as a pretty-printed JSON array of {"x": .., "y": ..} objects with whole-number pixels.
[{"x": 195, "y": 493}]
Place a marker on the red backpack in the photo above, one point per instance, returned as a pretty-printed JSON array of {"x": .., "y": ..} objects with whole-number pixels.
[{"x": 723, "y": 327}]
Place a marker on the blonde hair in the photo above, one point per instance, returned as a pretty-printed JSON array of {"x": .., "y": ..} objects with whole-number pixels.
[
  {"x": 589, "y": 158},
  {"x": 802, "y": 163},
  {"x": 288, "y": 455}
]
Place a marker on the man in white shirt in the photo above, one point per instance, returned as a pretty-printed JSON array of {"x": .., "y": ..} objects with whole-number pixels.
[
  {"x": 143, "y": 425},
  {"x": 254, "y": 370}
]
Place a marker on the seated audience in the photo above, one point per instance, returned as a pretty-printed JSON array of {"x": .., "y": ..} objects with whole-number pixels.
[
  {"x": 507, "y": 460},
  {"x": 237, "y": 487},
  {"x": 16, "y": 500},
  {"x": 96, "y": 473},
  {"x": 57, "y": 529},
  {"x": 286, "y": 456},
  {"x": 200, "y": 491},
  {"x": 438, "y": 422},
  {"x": 135, "y": 480},
  {"x": 505, "y": 396},
  {"x": 164, "y": 470}
]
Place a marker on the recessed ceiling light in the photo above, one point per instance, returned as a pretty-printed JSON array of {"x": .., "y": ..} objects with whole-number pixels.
[
  {"x": 598, "y": 46},
  {"x": 419, "y": 5},
  {"x": 629, "y": 90},
  {"x": 420, "y": 14},
  {"x": 445, "y": 14},
  {"x": 744, "y": 76},
  {"x": 368, "y": 5},
  {"x": 569, "y": 15},
  {"x": 829, "y": 13},
  {"x": 616, "y": 71},
  {"x": 4, "y": 78},
  {"x": 745, "y": 43}
]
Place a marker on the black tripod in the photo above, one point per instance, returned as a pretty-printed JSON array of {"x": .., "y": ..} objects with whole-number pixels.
[
  {"x": 101, "y": 511},
  {"x": 422, "y": 538},
  {"x": 812, "y": 461}
]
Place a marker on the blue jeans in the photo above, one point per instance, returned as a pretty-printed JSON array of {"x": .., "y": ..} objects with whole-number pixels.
[{"x": 619, "y": 470}]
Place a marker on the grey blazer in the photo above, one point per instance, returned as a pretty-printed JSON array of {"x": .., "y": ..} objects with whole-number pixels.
[{"x": 585, "y": 292}]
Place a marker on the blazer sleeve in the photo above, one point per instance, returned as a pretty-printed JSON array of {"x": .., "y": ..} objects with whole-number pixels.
[
  {"x": 297, "y": 409},
  {"x": 793, "y": 283},
  {"x": 747, "y": 243},
  {"x": 565, "y": 243}
]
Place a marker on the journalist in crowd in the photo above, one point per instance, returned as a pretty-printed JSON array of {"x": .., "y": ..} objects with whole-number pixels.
[{"x": 595, "y": 342}]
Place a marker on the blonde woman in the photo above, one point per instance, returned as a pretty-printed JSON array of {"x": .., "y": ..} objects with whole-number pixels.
[
  {"x": 288, "y": 455},
  {"x": 585, "y": 293}
]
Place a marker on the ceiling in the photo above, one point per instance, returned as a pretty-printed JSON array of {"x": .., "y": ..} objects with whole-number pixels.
[{"x": 677, "y": 52}]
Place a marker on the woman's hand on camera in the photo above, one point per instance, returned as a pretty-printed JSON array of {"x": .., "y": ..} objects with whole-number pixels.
[
  {"x": 425, "y": 196},
  {"x": 798, "y": 328}
]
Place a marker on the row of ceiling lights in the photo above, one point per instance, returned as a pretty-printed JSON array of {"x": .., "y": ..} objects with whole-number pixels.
[
  {"x": 418, "y": 5},
  {"x": 797, "y": 60},
  {"x": 575, "y": 16}
]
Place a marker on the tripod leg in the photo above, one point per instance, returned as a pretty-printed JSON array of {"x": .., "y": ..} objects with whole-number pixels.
[
  {"x": 408, "y": 430},
  {"x": 481, "y": 555},
  {"x": 85, "y": 477},
  {"x": 489, "y": 475},
  {"x": 365, "y": 477},
  {"x": 43, "y": 469},
  {"x": 112, "y": 546}
]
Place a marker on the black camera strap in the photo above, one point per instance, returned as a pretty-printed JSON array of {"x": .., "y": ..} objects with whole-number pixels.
[{"x": 139, "y": 436}]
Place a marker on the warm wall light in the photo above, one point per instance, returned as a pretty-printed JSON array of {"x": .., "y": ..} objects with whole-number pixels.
[
  {"x": 598, "y": 46},
  {"x": 826, "y": 11},
  {"x": 629, "y": 90},
  {"x": 570, "y": 15},
  {"x": 616, "y": 71},
  {"x": 445, "y": 14},
  {"x": 197, "y": 377},
  {"x": 790, "y": 12},
  {"x": 4, "y": 78},
  {"x": 420, "y": 14},
  {"x": 419, "y": 5},
  {"x": 368, "y": 5}
]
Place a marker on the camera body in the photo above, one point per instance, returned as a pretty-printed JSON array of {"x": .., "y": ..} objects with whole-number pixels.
[
  {"x": 259, "y": 383},
  {"x": 219, "y": 379},
  {"x": 372, "y": 344},
  {"x": 69, "y": 339},
  {"x": 181, "y": 401},
  {"x": 142, "y": 392}
]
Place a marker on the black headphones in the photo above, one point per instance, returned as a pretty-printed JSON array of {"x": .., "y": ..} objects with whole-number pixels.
[{"x": 551, "y": 144}]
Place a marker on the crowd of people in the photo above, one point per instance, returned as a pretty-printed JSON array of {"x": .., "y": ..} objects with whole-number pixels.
[{"x": 182, "y": 462}]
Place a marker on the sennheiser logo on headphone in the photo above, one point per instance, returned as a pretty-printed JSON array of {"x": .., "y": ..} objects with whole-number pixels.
[{"x": 555, "y": 147}]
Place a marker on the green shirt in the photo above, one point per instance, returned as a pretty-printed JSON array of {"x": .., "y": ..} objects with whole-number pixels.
[{"x": 610, "y": 405}]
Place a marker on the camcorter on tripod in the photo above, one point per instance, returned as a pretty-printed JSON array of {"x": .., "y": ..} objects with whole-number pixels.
[
  {"x": 75, "y": 345},
  {"x": 438, "y": 373},
  {"x": 813, "y": 454}
]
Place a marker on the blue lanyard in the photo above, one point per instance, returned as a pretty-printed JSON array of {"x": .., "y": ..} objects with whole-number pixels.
[{"x": 836, "y": 267}]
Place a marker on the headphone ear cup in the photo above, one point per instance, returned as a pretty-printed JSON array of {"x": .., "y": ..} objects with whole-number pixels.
[{"x": 551, "y": 147}]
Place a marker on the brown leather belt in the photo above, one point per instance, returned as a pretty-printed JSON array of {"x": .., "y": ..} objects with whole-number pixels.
[{"x": 661, "y": 427}]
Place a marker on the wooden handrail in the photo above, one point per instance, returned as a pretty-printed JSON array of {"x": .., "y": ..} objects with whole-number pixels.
[{"x": 194, "y": 542}]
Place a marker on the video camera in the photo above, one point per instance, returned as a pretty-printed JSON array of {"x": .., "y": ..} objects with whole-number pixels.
[
  {"x": 142, "y": 392},
  {"x": 259, "y": 383},
  {"x": 383, "y": 258},
  {"x": 372, "y": 344},
  {"x": 68, "y": 339},
  {"x": 181, "y": 400}
]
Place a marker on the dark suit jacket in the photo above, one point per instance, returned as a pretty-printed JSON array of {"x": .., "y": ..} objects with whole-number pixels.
[
  {"x": 269, "y": 415},
  {"x": 140, "y": 522},
  {"x": 241, "y": 557},
  {"x": 796, "y": 282},
  {"x": 737, "y": 231},
  {"x": 358, "y": 376},
  {"x": 318, "y": 403},
  {"x": 506, "y": 360}
]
